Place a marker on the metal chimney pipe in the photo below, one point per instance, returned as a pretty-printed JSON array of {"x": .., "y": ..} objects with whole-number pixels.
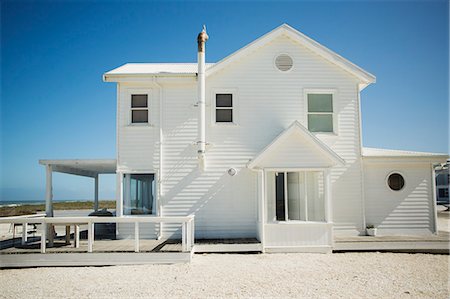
[{"x": 201, "y": 40}]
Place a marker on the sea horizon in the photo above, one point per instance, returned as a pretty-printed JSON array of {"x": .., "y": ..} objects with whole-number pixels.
[{"x": 13, "y": 203}]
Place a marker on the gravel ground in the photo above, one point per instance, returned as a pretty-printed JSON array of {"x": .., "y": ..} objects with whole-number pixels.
[{"x": 339, "y": 275}]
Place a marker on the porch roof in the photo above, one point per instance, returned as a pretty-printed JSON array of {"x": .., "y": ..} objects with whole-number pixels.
[
  {"x": 82, "y": 167},
  {"x": 296, "y": 147}
]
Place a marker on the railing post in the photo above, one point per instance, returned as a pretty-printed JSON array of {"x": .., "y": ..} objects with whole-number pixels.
[
  {"x": 67, "y": 234},
  {"x": 76, "y": 236},
  {"x": 90, "y": 236},
  {"x": 24, "y": 233},
  {"x": 192, "y": 233},
  {"x": 136, "y": 237},
  {"x": 43, "y": 236},
  {"x": 183, "y": 236}
]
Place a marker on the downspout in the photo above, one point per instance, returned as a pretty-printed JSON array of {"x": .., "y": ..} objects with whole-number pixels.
[
  {"x": 161, "y": 137},
  {"x": 201, "y": 40}
]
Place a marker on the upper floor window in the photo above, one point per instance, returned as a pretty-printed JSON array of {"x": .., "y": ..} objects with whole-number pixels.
[
  {"x": 224, "y": 108},
  {"x": 139, "y": 108},
  {"x": 320, "y": 112}
]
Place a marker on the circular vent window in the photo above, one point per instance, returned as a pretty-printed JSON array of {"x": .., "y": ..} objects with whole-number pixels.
[
  {"x": 284, "y": 62},
  {"x": 396, "y": 181}
]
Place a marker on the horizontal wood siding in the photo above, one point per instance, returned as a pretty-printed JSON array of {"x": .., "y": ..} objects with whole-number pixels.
[
  {"x": 302, "y": 234},
  {"x": 408, "y": 211},
  {"x": 268, "y": 101}
]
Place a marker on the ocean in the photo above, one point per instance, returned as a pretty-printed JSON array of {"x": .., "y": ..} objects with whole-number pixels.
[{"x": 15, "y": 203}]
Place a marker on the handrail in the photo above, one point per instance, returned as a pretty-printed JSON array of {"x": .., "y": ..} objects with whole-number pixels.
[
  {"x": 187, "y": 226},
  {"x": 21, "y": 217},
  {"x": 101, "y": 219}
]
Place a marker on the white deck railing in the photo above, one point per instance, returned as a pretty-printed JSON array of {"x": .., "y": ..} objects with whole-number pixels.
[{"x": 187, "y": 227}]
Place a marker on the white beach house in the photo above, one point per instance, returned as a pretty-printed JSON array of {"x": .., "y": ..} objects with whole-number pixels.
[{"x": 264, "y": 144}]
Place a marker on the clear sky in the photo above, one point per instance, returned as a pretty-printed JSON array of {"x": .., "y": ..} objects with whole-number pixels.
[{"x": 54, "y": 104}]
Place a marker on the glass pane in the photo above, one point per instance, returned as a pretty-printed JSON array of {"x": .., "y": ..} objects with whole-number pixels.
[
  {"x": 315, "y": 193},
  {"x": 139, "y": 116},
  {"x": 138, "y": 194},
  {"x": 396, "y": 181},
  {"x": 320, "y": 122},
  {"x": 296, "y": 196},
  {"x": 139, "y": 101},
  {"x": 320, "y": 103},
  {"x": 224, "y": 100},
  {"x": 224, "y": 115},
  {"x": 279, "y": 196}
]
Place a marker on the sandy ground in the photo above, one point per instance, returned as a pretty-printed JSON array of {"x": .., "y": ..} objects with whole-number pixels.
[{"x": 339, "y": 275}]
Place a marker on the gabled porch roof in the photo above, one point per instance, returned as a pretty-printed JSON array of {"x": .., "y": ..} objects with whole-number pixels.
[{"x": 296, "y": 147}]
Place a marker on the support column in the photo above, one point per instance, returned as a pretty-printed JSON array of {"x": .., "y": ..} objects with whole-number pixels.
[
  {"x": 24, "y": 233},
  {"x": 49, "y": 202},
  {"x": 96, "y": 194},
  {"x": 328, "y": 210}
]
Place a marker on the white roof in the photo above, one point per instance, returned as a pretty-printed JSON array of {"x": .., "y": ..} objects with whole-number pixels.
[
  {"x": 155, "y": 69},
  {"x": 380, "y": 152},
  {"x": 296, "y": 127},
  {"x": 183, "y": 69},
  {"x": 365, "y": 77},
  {"x": 83, "y": 167}
]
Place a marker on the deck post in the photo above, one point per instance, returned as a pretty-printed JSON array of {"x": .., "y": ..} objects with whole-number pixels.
[
  {"x": 96, "y": 193},
  {"x": 24, "y": 233},
  {"x": 49, "y": 201},
  {"x": 76, "y": 236},
  {"x": 67, "y": 234},
  {"x": 183, "y": 236},
  {"x": 136, "y": 237},
  {"x": 43, "y": 236},
  {"x": 90, "y": 236}
]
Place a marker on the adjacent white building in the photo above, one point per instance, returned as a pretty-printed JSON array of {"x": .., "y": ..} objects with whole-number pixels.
[{"x": 264, "y": 144}]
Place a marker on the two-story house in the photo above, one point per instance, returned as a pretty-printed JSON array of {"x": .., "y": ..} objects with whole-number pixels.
[{"x": 264, "y": 144}]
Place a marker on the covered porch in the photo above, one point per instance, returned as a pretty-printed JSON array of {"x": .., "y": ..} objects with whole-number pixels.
[{"x": 294, "y": 192}]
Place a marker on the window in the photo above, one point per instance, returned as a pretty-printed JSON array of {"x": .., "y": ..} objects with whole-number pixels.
[
  {"x": 139, "y": 108},
  {"x": 443, "y": 192},
  {"x": 300, "y": 196},
  {"x": 224, "y": 108},
  {"x": 320, "y": 112},
  {"x": 139, "y": 194},
  {"x": 396, "y": 181}
]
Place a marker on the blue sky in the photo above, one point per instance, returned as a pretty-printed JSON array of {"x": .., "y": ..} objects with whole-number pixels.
[{"x": 53, "y": 54}]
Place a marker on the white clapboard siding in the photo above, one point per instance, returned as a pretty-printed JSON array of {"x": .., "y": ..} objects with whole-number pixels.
[
  {"x": 266, "y": 102},
  {"x": 405, "y": 212}
]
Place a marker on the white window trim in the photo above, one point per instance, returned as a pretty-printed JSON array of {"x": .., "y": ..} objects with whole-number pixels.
[
  {"x": 386, "y": 179},
  {"x": 156, "y": 191},
  {"x": 149, "y": 108},
  {"x": 234, "y": 93},
  {"x": 286, "y": 206},
  {"x": 334, "y": 93}
]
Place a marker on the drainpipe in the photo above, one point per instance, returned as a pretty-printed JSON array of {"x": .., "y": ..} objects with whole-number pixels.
[{"x": 201, "y": 40}]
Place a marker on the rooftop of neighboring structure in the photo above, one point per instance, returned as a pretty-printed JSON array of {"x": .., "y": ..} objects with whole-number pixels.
[{"x": 380, "y": 152}]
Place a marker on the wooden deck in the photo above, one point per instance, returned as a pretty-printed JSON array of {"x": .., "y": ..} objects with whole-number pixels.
[{"x": 439, "y": 243}]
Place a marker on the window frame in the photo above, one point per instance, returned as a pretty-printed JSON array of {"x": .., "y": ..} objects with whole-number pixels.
[
  {"x": 404, "y": 181},
  {"x": 286, "y": 204},
  {"x": 234, "y": 97},
  {"x": 149, "y": 107},
  {"x": 334, "y": 115},
  {"x": 122, "y": 189}
]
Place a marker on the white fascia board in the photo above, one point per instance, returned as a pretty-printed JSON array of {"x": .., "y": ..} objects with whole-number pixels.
[{"x": 147, "y": 77}]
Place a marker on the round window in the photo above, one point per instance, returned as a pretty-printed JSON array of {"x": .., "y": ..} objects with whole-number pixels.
[
  {"x": 284, "y": 62},
  {"x": 396, "y": 181}
]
